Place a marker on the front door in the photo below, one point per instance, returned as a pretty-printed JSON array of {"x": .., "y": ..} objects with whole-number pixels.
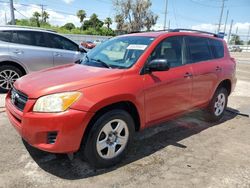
[{"x": 168, "y": 92}]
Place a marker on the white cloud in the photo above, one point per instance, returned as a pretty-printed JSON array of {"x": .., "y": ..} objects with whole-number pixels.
[
  {"x": 55, "y": 18},
  {"x": 242, "y": 27},
  {"x": 68, "y": 1}
]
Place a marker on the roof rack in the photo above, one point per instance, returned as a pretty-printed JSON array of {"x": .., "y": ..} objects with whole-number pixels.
[
  {"x": 28, "y": 27},
  {"x": 219, "y": 35}
]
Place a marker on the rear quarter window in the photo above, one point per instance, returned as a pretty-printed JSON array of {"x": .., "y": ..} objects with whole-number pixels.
[
  {"x": 217, "y": 48},
  {"x": 5, "y": 36}
]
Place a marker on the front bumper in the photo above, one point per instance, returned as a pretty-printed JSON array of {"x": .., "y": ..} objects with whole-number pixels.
[{"x": 35, "y": 127}]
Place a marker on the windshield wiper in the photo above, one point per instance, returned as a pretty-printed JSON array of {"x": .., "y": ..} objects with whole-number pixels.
[{"x": 102, "y": 62}]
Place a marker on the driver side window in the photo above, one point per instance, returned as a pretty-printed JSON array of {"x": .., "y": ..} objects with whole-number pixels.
[{"x": 170, "y": 49}]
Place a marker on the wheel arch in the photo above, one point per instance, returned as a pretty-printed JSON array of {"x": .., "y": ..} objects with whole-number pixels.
[
  {"x": 128, "y": 106},
  {"x": 13, "y": 63},
  {"x": 227, "y": 84}
]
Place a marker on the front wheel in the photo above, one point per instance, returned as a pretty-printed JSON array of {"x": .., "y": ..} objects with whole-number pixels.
[
  {"x": 109, "y": 139},
  {"x": 217, "y": 105},
  {"x": 8, "y": 75}
]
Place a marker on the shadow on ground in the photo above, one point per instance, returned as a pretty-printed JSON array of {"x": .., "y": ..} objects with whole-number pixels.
[{"x": 146, "y": 143}]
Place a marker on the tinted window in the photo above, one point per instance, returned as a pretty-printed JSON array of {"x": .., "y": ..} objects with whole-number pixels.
[
  {"x": 59, "y": 42},
  {"x": 30, "y": 38},
  {"x": 5, "y": 36},
  {"x": 199, "y": 49},
  {"x": 170, "y": 49},
  {"x": 217, "y": 48}
]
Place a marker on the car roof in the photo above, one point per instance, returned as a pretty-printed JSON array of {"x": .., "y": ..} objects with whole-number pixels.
[
  {"x": 25, "y": 28},
  {"x": 172, "y": 33}
]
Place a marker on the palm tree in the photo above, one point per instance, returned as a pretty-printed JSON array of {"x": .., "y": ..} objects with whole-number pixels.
[
  {"x": 81, "y": 14},
  {"x": 45, "y": 16},
  {"x": 108, "y": 22},
  {"x": 36, "y": 16},
  {"x": 119, "y": 19}
]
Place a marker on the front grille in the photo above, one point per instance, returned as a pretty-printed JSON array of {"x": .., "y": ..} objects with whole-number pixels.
[
  {"x": 51, "y": 139},
  {"x": 18, "y": 99}
]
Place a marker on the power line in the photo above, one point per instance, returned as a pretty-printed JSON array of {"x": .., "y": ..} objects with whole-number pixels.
[{"x": 21, "y": 13}]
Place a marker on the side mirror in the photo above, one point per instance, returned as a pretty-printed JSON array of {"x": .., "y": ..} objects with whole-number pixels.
[
  {"x": 157, "y": 65},
  {"x": 82, "y": 50}
]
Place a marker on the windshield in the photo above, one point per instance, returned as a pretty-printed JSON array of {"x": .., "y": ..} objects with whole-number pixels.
[{"x": 119, "y": 52}]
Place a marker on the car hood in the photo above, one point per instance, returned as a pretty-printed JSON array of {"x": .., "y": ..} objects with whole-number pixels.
[{"x": 70, "y": 77}]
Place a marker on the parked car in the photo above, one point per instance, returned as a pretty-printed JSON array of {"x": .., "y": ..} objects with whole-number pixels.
[
  {"x": 235, "y": 49},
  {"x": 95, "y": 107},
  {"x": 24, "y": 50},
  {"x": 88, "y": 44}
]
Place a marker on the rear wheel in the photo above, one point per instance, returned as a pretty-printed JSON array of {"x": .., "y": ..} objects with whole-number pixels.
[
  {"x": 109, "y": 139},
  {"x": 8, "y": 75},
  {"x": 217, "y": 105}
]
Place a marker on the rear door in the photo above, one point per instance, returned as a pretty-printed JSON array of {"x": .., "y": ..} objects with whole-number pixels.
[
  {"x": 31, "y": 49},
  {"x": 4, "y": 44},
  {"x": 206, "y": 69},
  {"x": 168, "y": 92},
  {"x": 64, "y": 51}
]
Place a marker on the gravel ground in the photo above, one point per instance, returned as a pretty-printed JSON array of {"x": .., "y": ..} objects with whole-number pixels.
[{"x": 185, "y": 152}]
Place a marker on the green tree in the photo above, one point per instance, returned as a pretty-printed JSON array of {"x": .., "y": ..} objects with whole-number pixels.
[
  {"x": 81, "y": 14},
  {"x": 45, "y": 16},
  {"x": 248, "y": 43},
  {"x": 93, "y": 22},
  {"x": 36, "y": 17},
  {"x": 119, "y": 19},
  {"x": 150, "y": 21},
  {"x": 236, "y": 40},
  {"x": 108, "y": 22},
  {"x": 136, "y": 14},
  {"x": 69, "y": 26}
]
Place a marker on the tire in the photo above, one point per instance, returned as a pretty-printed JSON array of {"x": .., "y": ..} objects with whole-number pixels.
[
  {"x": 8, "y": 75},
  {"x": 101, "y": 148},
  {"x": 216, "y": 109}
]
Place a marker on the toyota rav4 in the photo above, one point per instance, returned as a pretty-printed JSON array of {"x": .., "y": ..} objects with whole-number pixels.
[{"x": 124, "y": 85}]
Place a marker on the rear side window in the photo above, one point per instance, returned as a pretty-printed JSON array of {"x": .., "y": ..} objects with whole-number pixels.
[
  {"x": 30, "y": 38},
  {"x": 217, "y": 48},
  {"x": 199, "y": 49},
  {"x": 60, "y": 42},
  {"x": 5, "y": 36}
]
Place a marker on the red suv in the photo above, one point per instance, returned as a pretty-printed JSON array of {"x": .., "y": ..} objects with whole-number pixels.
[{"x": 124, "y": 85}]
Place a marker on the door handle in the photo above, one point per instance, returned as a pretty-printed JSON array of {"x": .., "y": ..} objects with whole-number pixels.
[
  {"x": 218, "y": 68},
  {"x": 58, "y": 54},
  {"x": 188, "y": 75},
  {"x": 18, "y": 52}
]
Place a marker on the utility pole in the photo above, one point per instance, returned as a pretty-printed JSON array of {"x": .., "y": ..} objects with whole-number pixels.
[
  {"x": 168, "y": 24},
  {"x": 236, "y": 31},
  {"x": 230, "y": 30},
  {"x": 248, "y": 37},
  {"x": 221, "y": 14},
  {"x": 13, "y": 22},
  {"x": 42, "y": 7},
  {"x": 226, "y": 22},
  {"x": 5, "y": 16},
  {"x": 166, "y": 12}
]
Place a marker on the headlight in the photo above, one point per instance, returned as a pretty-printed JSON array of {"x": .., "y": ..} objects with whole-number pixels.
[{"x": 56, "y": 102}]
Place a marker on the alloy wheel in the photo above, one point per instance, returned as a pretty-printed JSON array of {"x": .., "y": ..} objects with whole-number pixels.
[
  {"x": 7, "y": 79},
  {"x": 219, "y": 104},
  {"x": 112, "y": 139}
]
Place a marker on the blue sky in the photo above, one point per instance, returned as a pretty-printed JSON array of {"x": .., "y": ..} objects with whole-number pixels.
[{"x": 196, "y": 14}]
